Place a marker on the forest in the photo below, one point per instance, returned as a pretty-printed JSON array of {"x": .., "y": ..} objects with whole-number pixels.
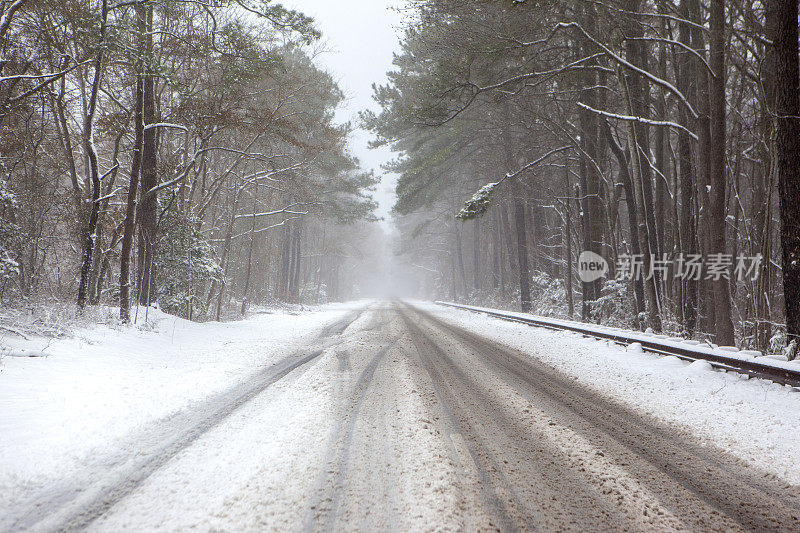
[
  {"x": 186, "y": 154},
  {"x": 659, "y": 135},
  {"x": 172, "y": 152}
]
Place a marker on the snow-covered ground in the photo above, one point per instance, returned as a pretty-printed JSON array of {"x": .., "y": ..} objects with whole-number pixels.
[
  {"x": 704, "y": 349},
  {"x": 108, "y": 381},
  {"x": 756, "y": 420},
  {"x": 279, "y": 462},
  {"x": 179, "y": 425},
  {"x": 274, "y": 460}
]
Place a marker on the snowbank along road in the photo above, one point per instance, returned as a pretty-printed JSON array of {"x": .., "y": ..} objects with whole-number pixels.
[{"x": 400, "y": 420}]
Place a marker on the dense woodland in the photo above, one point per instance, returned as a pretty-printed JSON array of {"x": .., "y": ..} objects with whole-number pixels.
[
  {"x": 175, "y": 152},
  {"x": 657, "y": 128},
  {"x": 184, "y": 154}
]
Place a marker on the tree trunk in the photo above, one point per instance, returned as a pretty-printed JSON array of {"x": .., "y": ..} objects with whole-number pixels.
[
  {"x": 787, "y": 145},
  {"x": 94, "y": 170},
  {"x": 496, "y": 250},
  {"x": 148, "y": 203},
  {"x": 591, "y": 206},
  {"x": 568, "y": 243},
  {"x": 476, "y": 253},
  {"x": 686, "y": 171},
  {"x": 295, "y": 274},
  {"x": 283, "y": 271},
  {"x": 246, "y": 290},
  {"x": 460, "y": 257},
  {"x": 522, "y": 255},
  {"x": 653, "y": 307},
  {"x": 129, "y": 226},
  {"x": 722, "y": 299},
  {"x": 633, "y": 217},
  {"x": 637, "y": 99}
]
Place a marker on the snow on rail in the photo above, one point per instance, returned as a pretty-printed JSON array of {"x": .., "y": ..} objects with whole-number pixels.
[{"x": 725, "y": 357}]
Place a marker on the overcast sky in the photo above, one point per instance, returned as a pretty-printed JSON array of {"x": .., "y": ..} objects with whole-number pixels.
[{"x": 360, "y": 37}]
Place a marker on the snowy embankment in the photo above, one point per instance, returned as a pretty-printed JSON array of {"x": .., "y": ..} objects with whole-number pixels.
[
  {"x": 755, "y": 420},
  {"x": 105, "y": 382}
]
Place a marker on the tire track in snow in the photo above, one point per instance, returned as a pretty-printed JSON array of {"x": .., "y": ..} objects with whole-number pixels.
[
  {"x": 700, "y": 484},
  {"x": 76, "y": 504},
  {"x": 462, "y": 450},
  {"x": 330, "y": 485}
]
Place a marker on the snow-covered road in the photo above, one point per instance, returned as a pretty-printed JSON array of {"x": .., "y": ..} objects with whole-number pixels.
[{"x": 398, "y": 417}]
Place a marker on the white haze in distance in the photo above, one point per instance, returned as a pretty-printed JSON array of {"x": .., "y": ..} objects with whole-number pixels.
[{"x": 359, "y": 38}]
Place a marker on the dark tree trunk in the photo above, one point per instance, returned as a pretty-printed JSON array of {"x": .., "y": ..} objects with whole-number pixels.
[
  {"x": 283, "y": 272},
  {"x": 91, "y": 231},
  {"x": 453, "y": 287},
  {"x": 129, "y": 226},
  {"x": 702, "y": 164},
  {"x": 496, "y": 250},
  {"x": 520, "y": 228},
  {"x": 476, "y": 253},
  {"x": 660, "y": 207},
  {"x": 787, "y": 145},
  {"x": 246, "y": 290},
  {"x": 94, "y": 169},
  {"x": 508, "y": 234},
  {"x": 296, "y": 281},
  {"x": 522, "y": 255},
  {"x": 686, "y": 171},
  {"x": 591, "y": 206},
  {"x": 762, "y": 193},
  {"x": 587, "y": 289},
  {"x": 148, "y": 203},
  {"x": 633, "y": 219},
  {"x": 722, "y": 299},
  {"x": 638, "y": 103},
  {"x": 568, "y": 243},
  {"x": 460, "y": 257}
]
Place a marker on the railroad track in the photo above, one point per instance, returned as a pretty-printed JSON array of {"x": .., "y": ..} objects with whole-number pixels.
[{"x": 652, "y": 343}]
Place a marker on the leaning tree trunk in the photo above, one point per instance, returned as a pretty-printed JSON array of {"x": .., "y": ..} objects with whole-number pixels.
[
  {"x": 653, "y": 311},
  {"x": 633, "y": 217},
  {"x": 787, "y": 146},
  {"x": 94, "y": 170}
]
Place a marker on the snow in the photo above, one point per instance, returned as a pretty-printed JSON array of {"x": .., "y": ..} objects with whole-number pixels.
[
  {"x": 102, "y": 401},
  {"x": 258, "y": 469},
  {"x": 755, "y": 420},
  {"x": 729, "y": 352},
  {"x": 237, "y": 458},
  {"x": 110, "y": 381}
]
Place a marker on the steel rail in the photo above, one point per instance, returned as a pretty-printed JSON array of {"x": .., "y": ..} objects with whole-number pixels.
[{"x": 784, "y": 376}]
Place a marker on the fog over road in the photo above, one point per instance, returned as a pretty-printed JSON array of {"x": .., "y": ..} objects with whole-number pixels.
[{"x": 399, "y": 420}]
